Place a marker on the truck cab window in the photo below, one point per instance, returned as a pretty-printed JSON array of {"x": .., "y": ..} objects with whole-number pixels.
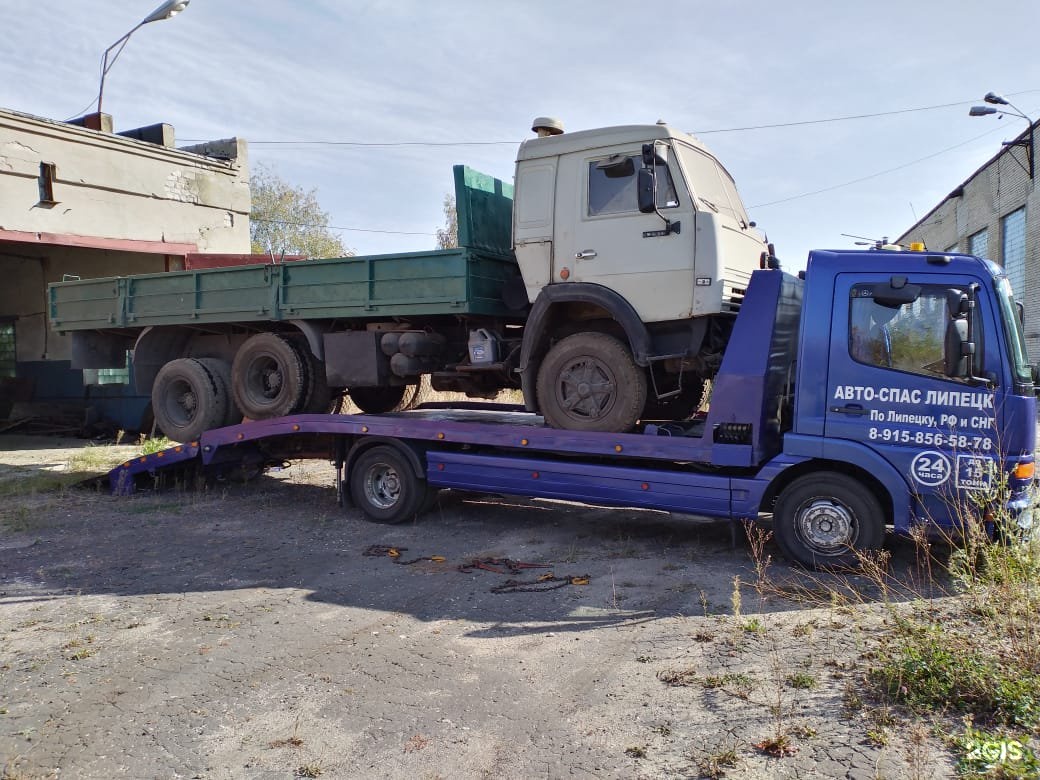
[
  {"x": 905, "y": 338},
  {"x": 609, "y": 195}
]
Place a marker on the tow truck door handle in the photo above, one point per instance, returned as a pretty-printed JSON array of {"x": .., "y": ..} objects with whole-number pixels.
[
  {"x": 585, "y": 254},
  {"x": 853, "y": 409}
]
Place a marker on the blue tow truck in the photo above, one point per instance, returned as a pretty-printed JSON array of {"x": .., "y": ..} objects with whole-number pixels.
[{"x": 877, "y": 389}]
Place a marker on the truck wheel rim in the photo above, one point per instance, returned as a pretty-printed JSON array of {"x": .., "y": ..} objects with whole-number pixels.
[
  {"x": 586, "y": 388},
  {"x": 265, "y": 379},
  {"x": 382, "y": 486},
  {"x": 826, "y": 526},
  {"x": 182, "y": 403}
]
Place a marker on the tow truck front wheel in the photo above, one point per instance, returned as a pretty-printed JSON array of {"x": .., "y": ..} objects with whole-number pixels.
[
  {"x": 589, "y": 382},
  {"x": 384, "y": 486},
  {"x": 828, "y": 520}
]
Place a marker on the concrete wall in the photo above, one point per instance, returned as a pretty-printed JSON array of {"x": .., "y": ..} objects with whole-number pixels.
[
  {"x": 998, "y": 188},
  {"x": 88, "y": 203},
  {"x": 113, "y": 187},
  {"x": 28, "y": 269}
]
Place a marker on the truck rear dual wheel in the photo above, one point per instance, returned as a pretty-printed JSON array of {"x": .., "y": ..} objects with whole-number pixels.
[
  {"x": 320, "y": 398},
  {"x": 589, "y": 382},
  {"x": 828, "y": 520},
  {"x": 269, "y": 377},
  {"x": 187, "y": 399},
  {"x": 384, "y": 486},
  {"x": 221, "y": 371}
]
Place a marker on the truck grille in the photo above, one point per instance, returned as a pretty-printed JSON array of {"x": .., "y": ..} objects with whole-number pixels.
[{"x": 734, "y": 286}]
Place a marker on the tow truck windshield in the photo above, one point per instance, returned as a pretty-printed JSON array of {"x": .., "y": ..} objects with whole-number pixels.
[{"x": 1013, "y": 330}]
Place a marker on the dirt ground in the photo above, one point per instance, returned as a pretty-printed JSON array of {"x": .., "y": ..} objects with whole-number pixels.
[{"x": 243, "y": 632}]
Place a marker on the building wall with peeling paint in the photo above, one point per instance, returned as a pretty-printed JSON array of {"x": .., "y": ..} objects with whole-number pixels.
[
  {"x": 109, "y": 186},
  {"x": 88, "y": 203}
]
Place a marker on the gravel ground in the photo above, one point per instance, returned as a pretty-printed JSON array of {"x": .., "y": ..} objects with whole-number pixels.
[{"x": 243, "y": 632}]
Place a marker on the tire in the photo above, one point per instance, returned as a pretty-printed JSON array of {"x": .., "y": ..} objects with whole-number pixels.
[
  {"x": 320, "y": 397},
  {"x": 416, "y": 395},
  {"x": 677, "y": 407},
  {"x": 385, "y": 488},
  {"x": 589, "y": 382},
  {"x": 390, "y": 397},
  {"x": 187, "y": 399},
  {"x": 221, "y": 371},
  {"x": 828, "y": 520},
  {"x": 269, "y": 377}
]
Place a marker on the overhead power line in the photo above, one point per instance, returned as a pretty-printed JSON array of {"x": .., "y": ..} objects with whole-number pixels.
[
  {"x": 833, "y": 119},
  {"x": 875, "y": 175},
  {"x": 337, "y": 227},
  {"x": 770, "y": 126}
]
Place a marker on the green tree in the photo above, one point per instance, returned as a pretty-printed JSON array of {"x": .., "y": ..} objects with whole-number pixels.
[
  {"x": 448, "y": 236},
  {"x": 287, "y": 220}
]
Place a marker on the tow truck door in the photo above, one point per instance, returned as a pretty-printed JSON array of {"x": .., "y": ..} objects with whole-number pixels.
[{"x": 887, "y": 388}]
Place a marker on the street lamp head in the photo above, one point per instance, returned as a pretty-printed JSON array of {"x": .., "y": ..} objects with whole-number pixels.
[
  {"x": 167, "y": 10},
  {"x": 993, "y": 97},
  {"x": 982, "y": 111}
]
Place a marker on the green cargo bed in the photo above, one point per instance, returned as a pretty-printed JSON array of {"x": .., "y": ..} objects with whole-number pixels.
[{"x": 464, "y": 281}]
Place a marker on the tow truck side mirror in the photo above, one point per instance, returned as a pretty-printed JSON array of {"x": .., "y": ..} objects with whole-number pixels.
[{"x": 646, "y": 189}]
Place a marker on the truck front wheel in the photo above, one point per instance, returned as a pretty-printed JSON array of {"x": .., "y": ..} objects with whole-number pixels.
[
  {"x": 589, "y": 382},
  {"x": 269, "y": 377},
  {"x": 384, "y": 486},
  {"x": 828, "y": 520},
  {"x": 187, "y": 399}
]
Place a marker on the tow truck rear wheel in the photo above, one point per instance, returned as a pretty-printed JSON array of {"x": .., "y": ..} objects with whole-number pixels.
[
  {"x": 269, "y": 377},
  {"x": 188, "y": 399},
  {"x": 589, "y": 382},
  {"x": 384, "y": 486},
  {"x": 828, "y": 520}
]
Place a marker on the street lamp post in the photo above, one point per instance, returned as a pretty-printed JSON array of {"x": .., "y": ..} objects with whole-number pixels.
[
  {"x": 1007, "y": 108},
  {"x": 167, "y": 10}
]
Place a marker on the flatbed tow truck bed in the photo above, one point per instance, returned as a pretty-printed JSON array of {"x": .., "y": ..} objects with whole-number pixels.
[{"x": 498, "y": 449}]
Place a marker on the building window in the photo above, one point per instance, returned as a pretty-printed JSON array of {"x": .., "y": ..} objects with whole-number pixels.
[
  {"x": 1013, "y": 250},
  {"x": 978, "y": 244},
  {"x": 48, "y": 173},
  {"x": 108, "y": 376},
  {"x": 7, "y": 350}
]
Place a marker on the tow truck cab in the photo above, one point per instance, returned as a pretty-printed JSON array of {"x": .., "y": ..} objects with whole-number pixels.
[{"x": 911, "y": 377}]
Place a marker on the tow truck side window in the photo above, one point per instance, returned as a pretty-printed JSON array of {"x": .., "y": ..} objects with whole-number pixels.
[
  {"x": 617, "y": 195},
  {"x": 904, "y": 338}
]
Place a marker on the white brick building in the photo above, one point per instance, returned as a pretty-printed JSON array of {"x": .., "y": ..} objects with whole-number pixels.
[{"x": 995, "y": 213}]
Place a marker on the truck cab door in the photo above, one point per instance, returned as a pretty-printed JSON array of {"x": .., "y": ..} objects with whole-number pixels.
[
  {"x": 601, "y": 237},
  {"x": 887, "y": 387}
]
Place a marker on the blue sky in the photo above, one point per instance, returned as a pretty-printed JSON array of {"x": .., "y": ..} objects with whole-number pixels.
[{"x": 375, "y": 71}]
